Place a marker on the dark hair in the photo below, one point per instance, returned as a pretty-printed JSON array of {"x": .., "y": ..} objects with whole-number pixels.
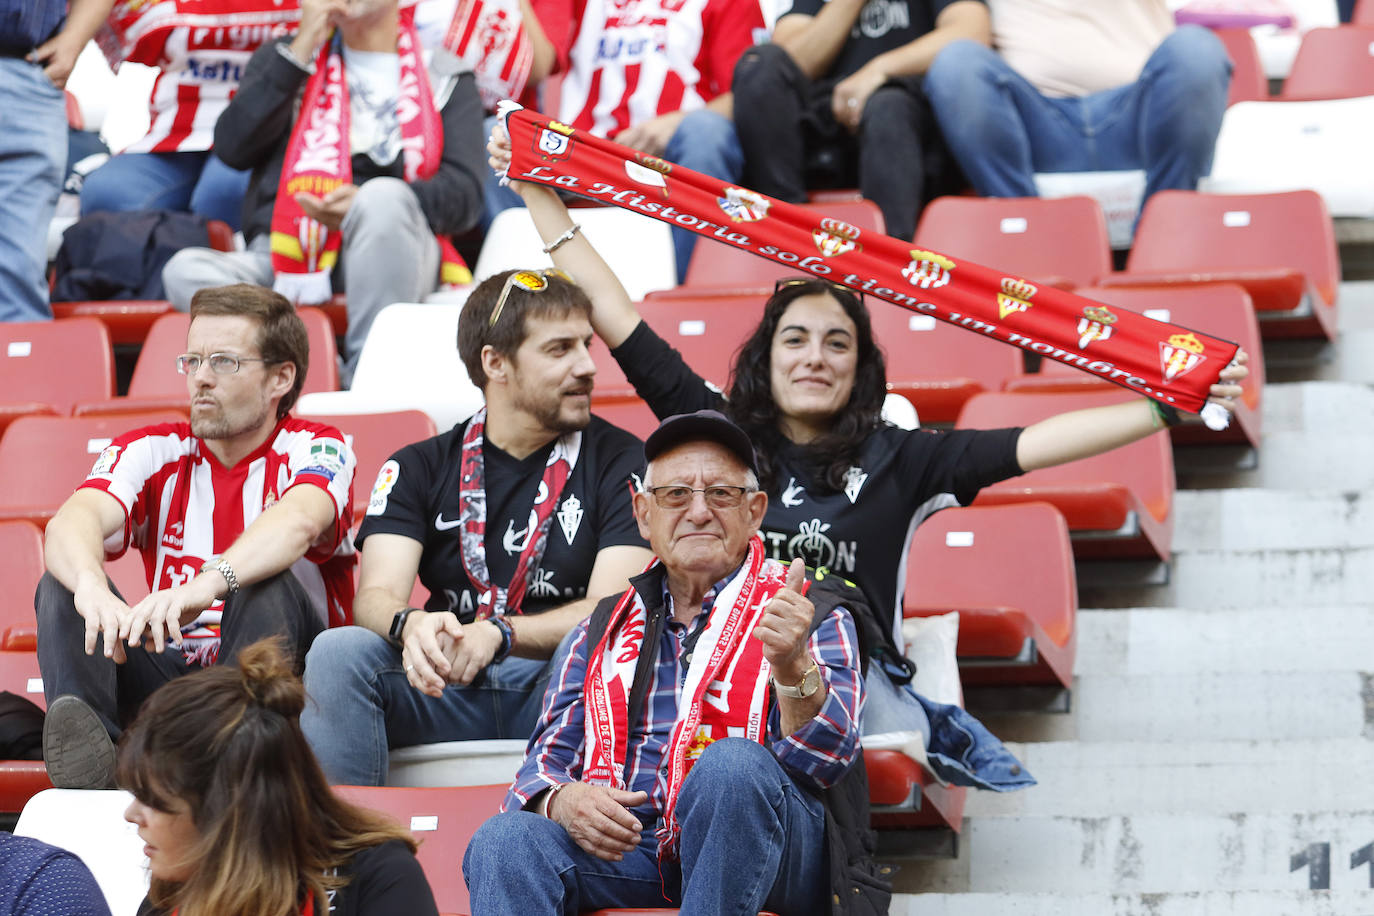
[
  {"x": 227, "y": 741},
  {"x": 475, "y": 331},
  {"x": 752, "y": 406},
  {"x": 281, "y": 333}
]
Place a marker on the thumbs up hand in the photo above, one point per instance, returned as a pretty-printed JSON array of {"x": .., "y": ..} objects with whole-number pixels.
[{"x": 786, "y": 626}]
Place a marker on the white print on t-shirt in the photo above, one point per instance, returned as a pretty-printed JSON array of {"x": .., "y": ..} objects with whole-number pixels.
[
  {"x": 792, "y": 496},
  {"x": 880, "y": 17},
  {"x": 541, "y": 586},
  {"x": 854, "y": 479},
  {"x": 514, "y": 541},
  {"x": 570, "y": 517},
  {"x": 815, "y": 547}
]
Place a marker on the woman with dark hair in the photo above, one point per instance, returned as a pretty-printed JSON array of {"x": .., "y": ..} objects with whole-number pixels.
[
  {"x": 236, "y": 814},
  {"x": 846, "y": 490}
]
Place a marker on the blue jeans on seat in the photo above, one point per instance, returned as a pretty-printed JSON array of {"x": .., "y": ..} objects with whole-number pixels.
[
  {"x": 764, "y": 849},
  {"x": 360, "y": 704},
  {"x": 33, "y": 153},
  {"x": 197, "y": 182},
  {"x": 1002, "y": 130}
]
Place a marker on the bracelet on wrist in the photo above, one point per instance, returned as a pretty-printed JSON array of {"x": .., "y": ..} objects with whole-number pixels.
[
  {"x": 507, "y": 637},
  {"x": 562, "y": 239},
  {"x": 1165, "y": 415}
]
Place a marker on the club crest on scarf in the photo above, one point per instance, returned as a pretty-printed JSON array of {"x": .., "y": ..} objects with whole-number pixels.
[
  {"x": 928, "y": 270},
  {"x": 1015, "y": 296},
  {"x": 1181, "y": 355},
  {"x": 835, "y": 237},
  {"x": 554, "y": 142},
  {"x": 743, "y": 206},
  {"x": 1096, "y": 324}
]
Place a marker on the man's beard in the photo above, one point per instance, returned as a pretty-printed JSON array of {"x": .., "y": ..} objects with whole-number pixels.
[
  {"x": 220, "y": 427},
  {"x": 550, "y": 414}
]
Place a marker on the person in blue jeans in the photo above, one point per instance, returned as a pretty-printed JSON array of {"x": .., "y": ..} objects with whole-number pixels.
[
  {"x": 1135, "y": 93},
  {"x": 194, "y": 181},
  {"x": 39, "y": 44}
]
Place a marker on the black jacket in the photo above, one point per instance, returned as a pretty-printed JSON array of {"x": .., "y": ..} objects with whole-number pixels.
[{"x": 253, "y": 131}]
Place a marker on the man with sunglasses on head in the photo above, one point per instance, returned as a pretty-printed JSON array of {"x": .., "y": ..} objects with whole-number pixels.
[
  {"x": 516, "y": 521},
  {"x": 241, "y": 515}
]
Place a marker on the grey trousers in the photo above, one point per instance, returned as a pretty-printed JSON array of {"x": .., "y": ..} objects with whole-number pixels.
[{"x": 389, "y": 255}]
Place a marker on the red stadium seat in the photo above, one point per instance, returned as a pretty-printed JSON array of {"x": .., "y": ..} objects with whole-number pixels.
[
  {"x": 1008, "y": 571},
  {"x": 904, "y": 795},
  {"x": 1280, "y": 247},
  {"x": 21, "y": 566},
  {"x": 44, "y": 459},
  {"x": 721, "y": 267},
  {"x": 1060, "y": 241},
  {"x": 935, "y": 365},
  {"x": 1117, "y": 504},
  {"x": 1221, "y": 309},
  {"x": 375, "y": 437},
  {"x": 443, "y": 820},
  {"x": 1332, "y": 64},
  {"x": 53, "y": 365},
  {"x": 610, "y": 381},
  {"x": 1248, "y": 83},
  {"x": 20, "y": 780},
  {"x": 1364, "y": 13},
  {"x": 707, "y": 330},
  {"x": 629, "y": 413},
  {"x": 156, "y": 384}
]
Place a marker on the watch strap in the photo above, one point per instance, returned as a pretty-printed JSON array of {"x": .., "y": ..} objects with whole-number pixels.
[{"x": 398, "y": 626}]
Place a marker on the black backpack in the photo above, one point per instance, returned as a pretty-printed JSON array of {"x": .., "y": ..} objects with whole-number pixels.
[{"x": 121, "y": 255}]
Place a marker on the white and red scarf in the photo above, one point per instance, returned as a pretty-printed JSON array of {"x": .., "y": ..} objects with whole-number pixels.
[
  {"x": 319, "y": 159},
  {"x": 1172, "y": 364},
  {"x": 725, "y": 692},
  {"x": 490, "y": 36},
  {"x": 472, "y": 516}
]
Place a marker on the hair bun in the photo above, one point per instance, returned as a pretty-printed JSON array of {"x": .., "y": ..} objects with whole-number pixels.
[{"x": 269, "y": 680}]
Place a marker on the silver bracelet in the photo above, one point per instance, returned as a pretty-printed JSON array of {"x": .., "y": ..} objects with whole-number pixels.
[
  {"x": 562, "y": 239},
  {"x": 227, "y": 572}
]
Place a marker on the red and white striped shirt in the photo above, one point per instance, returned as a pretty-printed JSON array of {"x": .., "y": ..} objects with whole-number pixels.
[
  {"x": 182, "y": 507},
  {"x": 627, "y": 61}
]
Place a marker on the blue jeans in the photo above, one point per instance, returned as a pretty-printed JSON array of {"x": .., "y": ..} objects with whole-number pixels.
[
  {"x": 360, "y": 704},
  {"x": 198, "y": 182},
  {"x": 704, "y": 142},
  {"x": 1002, "y": 130},
  {"x": 33, "y": 153},
  {"x": 765, "y": 849}
]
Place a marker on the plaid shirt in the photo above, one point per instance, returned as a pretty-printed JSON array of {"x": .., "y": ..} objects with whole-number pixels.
[{"x": 817, "y": 754}]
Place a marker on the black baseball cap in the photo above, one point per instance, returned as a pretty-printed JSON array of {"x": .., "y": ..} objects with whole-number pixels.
[{"x": 707, "y": 425}]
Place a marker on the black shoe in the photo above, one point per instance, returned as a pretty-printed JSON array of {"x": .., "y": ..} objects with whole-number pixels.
[{"x": 76, "y": 748}]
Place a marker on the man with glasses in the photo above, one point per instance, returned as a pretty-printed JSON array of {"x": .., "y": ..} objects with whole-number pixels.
[
  {"x": 516, "y": 521},
  {"x": 721, "y": 675},
  {"x": 242, "y": 518}
]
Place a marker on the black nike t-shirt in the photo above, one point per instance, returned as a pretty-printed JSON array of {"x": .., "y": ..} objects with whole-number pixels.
[
  {"x": 882, "y": 26},
  {"x": 416, "y": 495},
  {"x": 863, "y": 530}
]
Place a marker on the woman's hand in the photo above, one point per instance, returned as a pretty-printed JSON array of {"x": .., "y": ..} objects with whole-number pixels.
[{"x": 1227, "y": 388}]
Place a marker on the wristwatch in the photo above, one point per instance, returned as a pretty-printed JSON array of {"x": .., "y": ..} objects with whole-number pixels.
[
  {"x": 398, "y": 626},
  {"x": 507, "y": 637},
  {"x": 810, "y": 683},
  {"x": 222, "y": 566}
]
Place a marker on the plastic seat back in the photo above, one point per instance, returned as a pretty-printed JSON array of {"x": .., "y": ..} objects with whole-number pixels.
[
  {"x": 1009, "y": 572},
  {"x": 1332, "y": 64},
  {"x": 707, "y": 330},
  {"x": 21, "y": 566},
  {"x": 1364, "y": 13},
  {"x": 1119, "y": 503},
  {"x": 1061, "y": 241},
  {"x": 1248, "y": 83},
  {"x": 443, "y": 821},
  {"x": 375, "y": 437},
  {"x": 44, "y": 459},
  {"x": 59, "y": 363},
  {"x": 720, "y": 266},
  {"x": 90, "y": 823}
]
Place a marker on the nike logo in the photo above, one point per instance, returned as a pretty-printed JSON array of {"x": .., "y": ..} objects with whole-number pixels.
[{"x": 441, "y": 525}]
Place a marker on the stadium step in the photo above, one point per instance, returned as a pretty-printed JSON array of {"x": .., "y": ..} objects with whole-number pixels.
[{"x": 1218, "y": 903}]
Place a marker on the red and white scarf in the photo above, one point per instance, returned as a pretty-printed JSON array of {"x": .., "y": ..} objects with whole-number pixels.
[
  {"x": 472, "y": 515},
  {"x": 725, "y": 692},
  {"x": 137, "y": 30},
  {"x": 490, "y": 36},
  {"x": 319, "y": 159},
  {"x": 1172, "y": 364}
]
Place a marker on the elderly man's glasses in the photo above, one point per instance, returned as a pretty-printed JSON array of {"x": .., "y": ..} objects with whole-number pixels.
[
  {"x": 531, "y": 281},
  {"x": 719, "y": 497},
  {"x": 220, "y": 363},
  {"x": 789, "y": 282}
]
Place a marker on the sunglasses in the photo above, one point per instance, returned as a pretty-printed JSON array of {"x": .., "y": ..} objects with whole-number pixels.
[
  {"x": 531, "y": 281},
  {"x": 789, "y": 282}
]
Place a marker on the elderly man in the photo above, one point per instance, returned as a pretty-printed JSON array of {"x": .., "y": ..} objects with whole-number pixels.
[
  {"x": 715, "y": 676},
  {"x": 221, "y": 508}
]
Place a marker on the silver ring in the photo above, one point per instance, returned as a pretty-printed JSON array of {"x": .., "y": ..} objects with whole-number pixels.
[
  {"x": 409, "y": 668},
  {"x": 853, "y": 103}
]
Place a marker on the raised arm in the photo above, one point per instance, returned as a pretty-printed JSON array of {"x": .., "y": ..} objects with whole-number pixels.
[{"x": 1094, "y": 430}]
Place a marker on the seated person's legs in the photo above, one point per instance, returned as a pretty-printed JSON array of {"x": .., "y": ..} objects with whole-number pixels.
[
  {"x": 1183, "y": 88},
  {"x": 193, "y": 269},
  {"x": 900, "y": 151},
  {"x": 361, "y": 704},
  {"x": 275, "y": 607},
  {"x": 142, "y": 181},
  {"x": 219, "y": 192},
  {"x": 704, "y": 142},
  {"x": 770, "y": 103},
  {"x": 764, "y": 849},
  {"x": 389, "y": 255}
]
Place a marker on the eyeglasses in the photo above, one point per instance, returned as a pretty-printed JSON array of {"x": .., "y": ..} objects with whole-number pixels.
[
  {"x": 718, "y": 497},
  {"x": 531, "y": 281},
  {"x": 789, "y": 282},
  {"x": 220, "y": 363}
]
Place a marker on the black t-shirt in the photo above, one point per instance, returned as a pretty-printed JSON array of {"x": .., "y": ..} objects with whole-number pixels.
[
  {"x": 416, "y": 495},
  {"x": 862, "y": 531},
  {"x": 882, "y": 26},
  {"x": 383, "y": 880}
]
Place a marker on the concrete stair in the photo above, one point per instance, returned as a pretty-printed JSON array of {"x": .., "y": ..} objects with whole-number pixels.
[{"x": 1216, "y": 756}]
